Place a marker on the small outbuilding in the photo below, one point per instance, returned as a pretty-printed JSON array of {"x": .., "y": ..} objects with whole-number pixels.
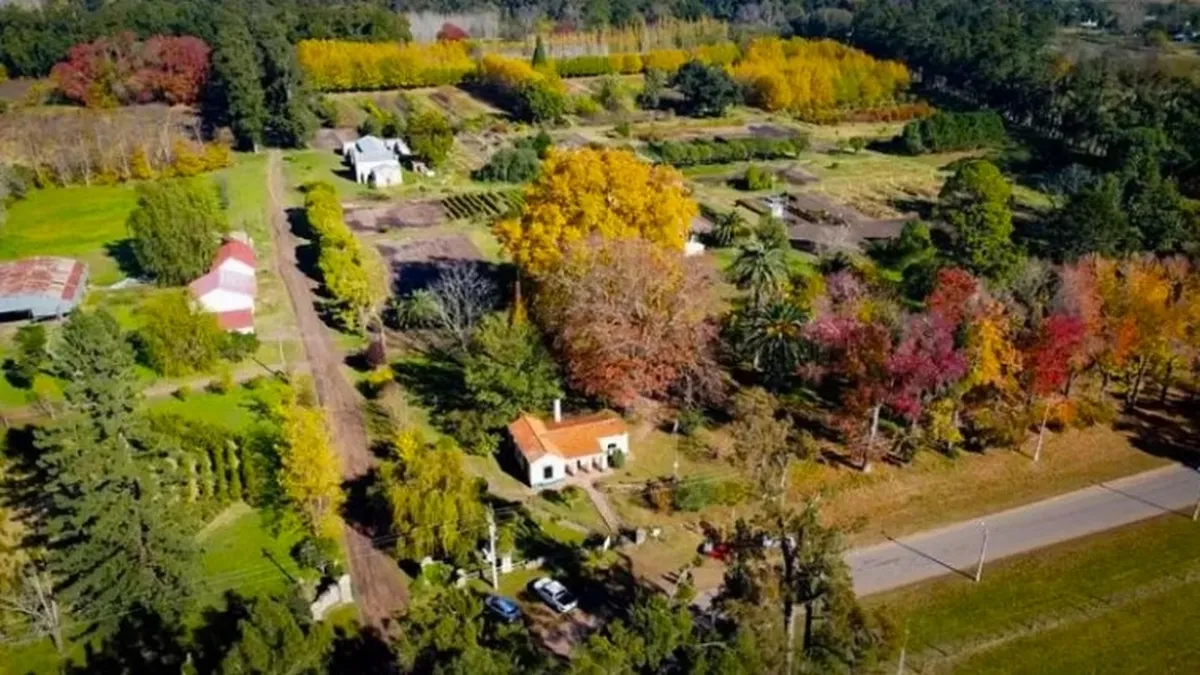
[
  {"x": 549, "y": 451},
  {"x": 42, "y": 287},
  {"x": 376, "y": 161}
]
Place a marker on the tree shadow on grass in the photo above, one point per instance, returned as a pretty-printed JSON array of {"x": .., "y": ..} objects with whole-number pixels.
[
  {"x": 23, "y": 485},
  {"x": 1167, "y": 429},
  {"x": 306, "y": 252},
  {"x": 435, "y": 378},
  {"x": 122, "y": 253},
  {"x": 362, "y": 652}
]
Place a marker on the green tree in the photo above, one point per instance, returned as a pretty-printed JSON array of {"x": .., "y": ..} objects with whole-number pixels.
[
  {"x": 431, "y": 136},
  {"x": 507, "y": 370},
  {"x": 176, "y": 229},
  {"x": 236, "y": 95},
  {"x": 729, "y": 228},
  {"x": 539, "y": 53},
  {"x": 1092, "y": 221},
  {"x": 117, "y": 541},
  {"x": 175, "y": 339},
  {"x": 30, "y": 342},
  {"x": 707, "y": 90},
  {"x": 974, "y": 202},
  {"x": 289, "y": 116},
  {"x": 435, "y": 503},
  {"x": 772, "y": 338},
  {"x": 541, "y": 101},
  {"x": 275, "y": 635},
  {"x": 653, "y": 84},
  {"x": 760, "y": 269}
]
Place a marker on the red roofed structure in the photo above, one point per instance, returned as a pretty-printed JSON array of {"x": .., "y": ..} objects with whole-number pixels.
[
  {"x": 229, "y": 289},
  {"x": 41, "y": 287},
  {"x": 548, "y": 451}
]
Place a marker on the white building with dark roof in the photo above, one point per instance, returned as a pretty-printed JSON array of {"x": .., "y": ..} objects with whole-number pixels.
[
  {"x": 42, "y": 287},
  {"x": 376, "y": 161}
]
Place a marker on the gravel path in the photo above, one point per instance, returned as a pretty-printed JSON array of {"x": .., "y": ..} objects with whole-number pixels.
[{"x": 378, "y": 585}]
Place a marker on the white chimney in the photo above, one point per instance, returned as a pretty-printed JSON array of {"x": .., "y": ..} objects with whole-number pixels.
[{"x": 558, "y": 410}]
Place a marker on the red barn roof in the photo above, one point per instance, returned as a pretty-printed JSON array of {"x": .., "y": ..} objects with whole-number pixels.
[{"x": 235, "y": 250}]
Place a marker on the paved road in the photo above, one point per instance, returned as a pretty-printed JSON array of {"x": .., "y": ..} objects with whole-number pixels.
[{"x": 955, "y": 549}]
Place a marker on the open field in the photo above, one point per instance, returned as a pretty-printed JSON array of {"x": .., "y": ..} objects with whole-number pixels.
[{"x": 1117, "y": 602}]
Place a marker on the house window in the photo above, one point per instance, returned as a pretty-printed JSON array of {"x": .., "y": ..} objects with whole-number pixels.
[
  {"x": 548, "y": 473},
  {"x": 612, "y": 447}
]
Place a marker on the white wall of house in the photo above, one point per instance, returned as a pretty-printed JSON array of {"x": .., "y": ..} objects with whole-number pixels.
[
  {"x": 620, "y": 441},
  {"x": 237, "y": 266},
  {"x": 362, "y": 170},
  {"x": 221, "y": 300},
  {"x": 539, "y": 467}
]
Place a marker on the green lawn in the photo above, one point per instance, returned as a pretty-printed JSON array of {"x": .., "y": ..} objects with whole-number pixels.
[
  {"x": 241, "y": 554},
  {"x": 233, "y": 410},
  {"x": 78, "y": 222},
  {"x": 1117, "y": 602}
]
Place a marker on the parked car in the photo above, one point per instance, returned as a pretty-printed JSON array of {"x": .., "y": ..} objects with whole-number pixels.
[
  {"x": 717, "y": 550},
  {"x": 555, "y": 594},
  {"x": 503, "y": 608}
]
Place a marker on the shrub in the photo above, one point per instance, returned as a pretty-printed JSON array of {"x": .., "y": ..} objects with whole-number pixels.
[
  {"x": 586, "y": 106},
  {"x": 511, "y": 165},
  {"x": 617, "y": 460},
  {"x": 238, "y": 347},
  {"x": 758, "y": 178},
  {"x": 320, "y": 554},
  {"x": 624, "y": 129},
  {"x": 722, "y": 151},
  {"x": 326, "y": 111},
  {"x": 949, "y": 131}
]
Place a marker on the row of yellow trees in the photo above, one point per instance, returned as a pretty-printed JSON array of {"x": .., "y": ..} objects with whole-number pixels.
[
  {"x": 339, "y": 65},
  {"x": 810, "y": 77},
  {"x": 353, "y": 274},
  {"x": 805, "y": 77}
]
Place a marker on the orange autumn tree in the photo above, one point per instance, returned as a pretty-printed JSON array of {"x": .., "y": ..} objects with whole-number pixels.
[
  {"x": 604, "y": 193},
  {"x": 630, "y": 319}
]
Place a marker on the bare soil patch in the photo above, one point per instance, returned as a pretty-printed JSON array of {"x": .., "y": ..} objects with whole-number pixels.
[
  {"x": 416, "y": 263},
  {"x": 418, "y": 214}
]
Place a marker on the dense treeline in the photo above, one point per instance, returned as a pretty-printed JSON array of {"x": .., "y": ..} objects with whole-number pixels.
[
  {"x": 948, "y": 131},
  {"x": 812, "y": 77},
  {"x": 534, "y": 94},
  {"x": 999, "y": 55},
  {"x": 666, "y": 60},
  {"x": 33, "y": 40},
  {"x": 338, "y": 65},
  {"x": 724, "y": 150},
  {"x": 121, "y": 70}
]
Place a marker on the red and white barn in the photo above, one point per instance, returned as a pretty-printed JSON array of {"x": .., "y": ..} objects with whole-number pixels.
[{"x": 229, "y": 289}]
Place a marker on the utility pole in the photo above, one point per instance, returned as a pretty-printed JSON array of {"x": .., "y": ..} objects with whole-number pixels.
[
  {"x": 903, "y": 654},
  {"x": 1196, "y": 511},
  {"x": 982, "y": 552},
  {"x": 492, "y": 548}
]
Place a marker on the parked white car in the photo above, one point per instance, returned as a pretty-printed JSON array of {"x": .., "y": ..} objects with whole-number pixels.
[{"x": 555, "y": 594}]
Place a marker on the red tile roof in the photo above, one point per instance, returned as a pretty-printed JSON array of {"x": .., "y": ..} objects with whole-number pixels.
[
  {"x": 236, "y": 250},
  {"x": 570, "y": 438},
  {"x": 236, "y": 320}
]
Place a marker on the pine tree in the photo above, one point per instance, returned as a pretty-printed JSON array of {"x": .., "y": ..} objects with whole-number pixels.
[
  {"x": 237, "y": 94},
  {"x": 116, "y": 541},
  {"x": 289, "y": 120},
  {"x": 539, "y": 53}
]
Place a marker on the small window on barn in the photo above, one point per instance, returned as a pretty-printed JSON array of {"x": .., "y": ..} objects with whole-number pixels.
[{"x": 548, "y": 472}]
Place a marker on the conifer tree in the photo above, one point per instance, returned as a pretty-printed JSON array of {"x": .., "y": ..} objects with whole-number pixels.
[{"x": 116, "y": 540}]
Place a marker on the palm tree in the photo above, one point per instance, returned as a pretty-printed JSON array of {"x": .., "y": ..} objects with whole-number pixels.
[
  {"x": 728, "y": 228},
  {"x": 773, "y": 338},
  {"x": 760, "y": 269}
]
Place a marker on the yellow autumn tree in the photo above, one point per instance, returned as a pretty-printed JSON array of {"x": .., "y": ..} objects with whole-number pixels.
[
  {"x": 588, "y": 192},
  {"x": 341, "y": 65},
  {"x": 310, "y": 475},
  {"x": 993, "y": 359}
]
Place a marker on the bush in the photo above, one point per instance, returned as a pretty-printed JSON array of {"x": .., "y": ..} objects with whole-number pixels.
[
  {"x": 511, "y": 165},
  {"x": 758, "y": 178},
  {"x": 948, "y": 131},
  {"x": 326, "y": 111},
  {"x": 624, "y": 129},
  {"x": 586, "y": 106},
  {"x": 617, "y": 460},
  {"x": 320, "y": 554},
  {"x": 238, "y": 347},
  {"x": 723, "y": 151}
]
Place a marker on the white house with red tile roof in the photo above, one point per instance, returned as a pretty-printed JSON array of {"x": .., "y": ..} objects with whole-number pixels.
[
  {"x": 548, "y": 451},
  {"x": 229, "y": 289}
]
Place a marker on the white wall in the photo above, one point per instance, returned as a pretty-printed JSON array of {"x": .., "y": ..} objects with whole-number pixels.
[
  {"x": 621, "y": 441},
  {"x": 537, "y": 470}
]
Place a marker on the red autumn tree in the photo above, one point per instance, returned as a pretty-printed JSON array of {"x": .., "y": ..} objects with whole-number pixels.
[
  {"x": 452, "y": 33},
  {"x": 629, "y": 318},
  {"x": 120, "y": 70},
  {"x": 952, "y": 293},
  {"x": 1048, "y": 363},
  {"x": 925, "y": 362}
]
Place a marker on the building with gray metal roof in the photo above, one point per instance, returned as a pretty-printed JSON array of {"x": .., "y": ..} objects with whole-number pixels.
[{"x": 42, "y": 287}]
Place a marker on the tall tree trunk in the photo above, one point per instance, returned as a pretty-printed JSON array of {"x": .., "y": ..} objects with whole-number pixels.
[
  {"x": 809, "y": 615},
  {"x": 790, "y": 620},
  {"x": 866, "y": 465},
  {"x": 1037, "y": 453},
  {"x": 1166, "y": 383},
  {"x": 1070, "y": 382},
  {"x": 1137, "y": 383}
]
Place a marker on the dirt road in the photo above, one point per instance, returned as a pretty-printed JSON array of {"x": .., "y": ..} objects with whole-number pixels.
[{"x": 378, "y": 585}]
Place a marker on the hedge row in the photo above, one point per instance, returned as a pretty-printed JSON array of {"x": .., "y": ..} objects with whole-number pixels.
[
  {"x": 722, "y": 151},
  {"x": 666, "y": 60},
  {"x": 947, "y": 131},
  {"x": 340, "y": 65}
]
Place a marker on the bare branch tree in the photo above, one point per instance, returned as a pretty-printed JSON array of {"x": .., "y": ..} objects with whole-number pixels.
[
  {"x": 462, "y": 295},
  {"x": 34, "y": 600}
]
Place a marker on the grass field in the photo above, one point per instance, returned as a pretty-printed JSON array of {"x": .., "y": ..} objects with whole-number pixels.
[
  {"x": 78, "y": 222},
  {"x": 1123, "y": 601}
]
